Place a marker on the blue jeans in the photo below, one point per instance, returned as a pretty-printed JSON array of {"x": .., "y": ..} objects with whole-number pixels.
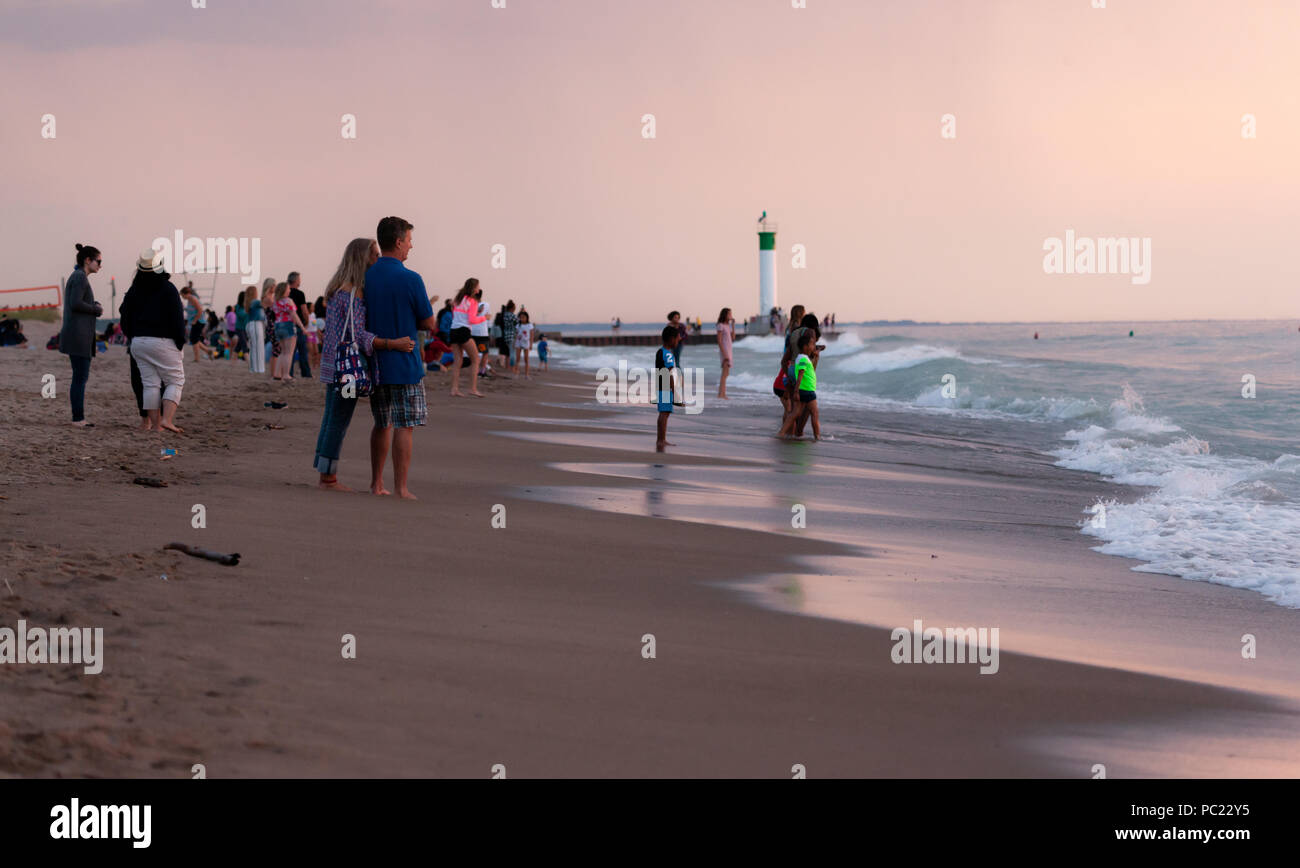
[
  {"x": 333, "y": 428},
  {"x": 301, "y": 350},
  {"x": 77, "y": 393}
]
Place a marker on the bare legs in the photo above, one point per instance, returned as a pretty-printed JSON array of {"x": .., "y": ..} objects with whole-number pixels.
[
  {"x": 401, "y": 442},
  {"x": 470, "y": 348},
  {"x": 380, "y": 441},
  {"x": 284, "y": 361},
  {"x": 800, "y": 415},
  {"x": 164, "y": 421},
  {"x": 522, "y": 353},
  {"x": 662, "y": 441}
]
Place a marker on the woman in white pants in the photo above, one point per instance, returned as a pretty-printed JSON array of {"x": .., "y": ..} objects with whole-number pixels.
[
  {"x": 256, "y": 329},
  {"x": 153, "y": 319}
]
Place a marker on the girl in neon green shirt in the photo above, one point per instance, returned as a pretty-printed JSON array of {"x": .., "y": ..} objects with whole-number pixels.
[{"x": 805, "y": 378}]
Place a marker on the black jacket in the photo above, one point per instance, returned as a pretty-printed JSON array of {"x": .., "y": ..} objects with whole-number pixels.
[{"x": 152, "y": 309}]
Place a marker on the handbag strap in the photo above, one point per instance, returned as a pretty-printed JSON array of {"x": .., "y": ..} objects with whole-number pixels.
[{"x": 348, "y": 324}]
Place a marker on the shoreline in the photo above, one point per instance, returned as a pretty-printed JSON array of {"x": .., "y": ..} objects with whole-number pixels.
[
  {"x": 978, "y": 511},
  {"x": 476, "y": 645}
]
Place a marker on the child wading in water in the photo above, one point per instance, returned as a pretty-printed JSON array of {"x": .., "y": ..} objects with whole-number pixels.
[
  {"x": 805, "y": 377},
  {"x": 665, "y": 363}
]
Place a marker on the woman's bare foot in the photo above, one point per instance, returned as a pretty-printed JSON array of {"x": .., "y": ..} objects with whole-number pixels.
[
  {"x": 331, "y": 483},
  {"x": 168, "y": 426},
  {"x": 379, "y": 490},
  {"x": 405, "y": 494},
  {"x": 457, "y": 395},
  {"x": 477, "y": 394}
]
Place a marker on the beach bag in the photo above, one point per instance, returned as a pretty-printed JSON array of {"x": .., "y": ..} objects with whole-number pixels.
[{"x": 350, "y": 363}]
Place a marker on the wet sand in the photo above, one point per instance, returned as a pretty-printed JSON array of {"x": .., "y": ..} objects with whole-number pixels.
[{"x": 523, "y": 645}]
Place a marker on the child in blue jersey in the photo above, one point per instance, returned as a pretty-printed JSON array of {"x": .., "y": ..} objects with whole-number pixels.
[
  {"x": 543, "y": 351},
  {"x": 666, "y": 393}
]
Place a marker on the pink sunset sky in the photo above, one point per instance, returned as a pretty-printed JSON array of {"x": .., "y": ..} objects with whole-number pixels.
[{"x": 522, "y": 126}]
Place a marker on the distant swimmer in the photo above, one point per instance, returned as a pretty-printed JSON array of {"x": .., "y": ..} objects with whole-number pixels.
[
  {"x": 1130, "y": 332},
  {"x": 1035, "y": 335}
]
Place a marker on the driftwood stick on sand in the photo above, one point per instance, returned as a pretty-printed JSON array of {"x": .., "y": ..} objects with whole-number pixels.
[{"x": 196, "y": 552}]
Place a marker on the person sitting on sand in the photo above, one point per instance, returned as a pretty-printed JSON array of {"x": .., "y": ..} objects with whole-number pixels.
[
  {"x": 11, "y": 333},
  {"x": 345, "y": 321},
  {"x": 436, "y": 354},
  {"x": 154, "y": 321},
  {"x": 806, "y": 383},
  {"x": 665, "y": 387},
  {"x": 113, "y": 335}
]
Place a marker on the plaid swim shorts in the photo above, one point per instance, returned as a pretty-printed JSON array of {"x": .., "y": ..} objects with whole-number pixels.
[{"x": 399, "y": 405}]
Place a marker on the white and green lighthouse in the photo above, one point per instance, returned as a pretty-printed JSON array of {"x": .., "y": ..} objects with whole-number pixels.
[{"x": 766, "y": 265}]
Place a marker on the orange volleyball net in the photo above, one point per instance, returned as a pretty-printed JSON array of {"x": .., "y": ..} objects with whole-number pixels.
[{"x": 31, "y": 298}]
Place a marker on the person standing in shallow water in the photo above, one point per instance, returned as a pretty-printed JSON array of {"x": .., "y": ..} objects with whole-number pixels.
[
  {"x": 726, "y": 334},
  {"x": 77, "y": 337},
  {"x": 675, "y": 320}
]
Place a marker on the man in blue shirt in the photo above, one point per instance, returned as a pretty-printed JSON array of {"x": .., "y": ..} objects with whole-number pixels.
[{"x": 397, "y": 307}]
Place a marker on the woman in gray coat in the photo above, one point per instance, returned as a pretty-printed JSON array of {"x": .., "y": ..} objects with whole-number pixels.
[{"x": 77, "y": 338}]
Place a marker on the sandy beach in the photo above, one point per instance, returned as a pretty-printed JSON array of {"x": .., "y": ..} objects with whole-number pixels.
[{"x": 523, "y": 645}]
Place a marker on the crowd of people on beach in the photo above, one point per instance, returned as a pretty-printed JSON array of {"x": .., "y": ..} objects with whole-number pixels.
[{"x": 372, "y": 334}]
